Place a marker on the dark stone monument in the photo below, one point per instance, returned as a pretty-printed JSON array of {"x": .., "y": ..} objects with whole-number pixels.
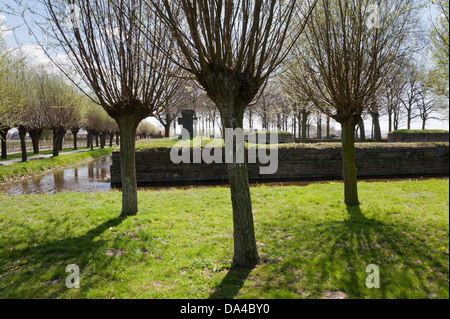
[{"x": 187, "y": 119}]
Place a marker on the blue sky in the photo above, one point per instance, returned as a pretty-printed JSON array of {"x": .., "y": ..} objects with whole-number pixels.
[{"x": 16, "y": 35}]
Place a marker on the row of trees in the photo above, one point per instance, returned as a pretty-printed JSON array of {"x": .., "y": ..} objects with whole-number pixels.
[
  {"x": 131, "y": 54},
  {"x": 33, "y": 99}
]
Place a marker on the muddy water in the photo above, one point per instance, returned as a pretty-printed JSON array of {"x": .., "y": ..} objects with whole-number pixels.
[
  {"x": 91, "y": 177},
  {"x": 95, "y": 177}
]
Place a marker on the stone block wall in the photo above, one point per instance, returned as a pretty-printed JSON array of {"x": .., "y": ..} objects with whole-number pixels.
[{"x": 154, "y": 167}]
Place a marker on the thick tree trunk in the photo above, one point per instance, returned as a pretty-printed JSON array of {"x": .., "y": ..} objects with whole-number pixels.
[
  {"x": 102, "y": 140},
  {"x": 362, "y": 130},
  {"x": 128, "y": 127},
  {"x": 35, "y": 138},
  {"x": 58, "y": 136},
  {"x": 75, "y": 138},
  {"x": 376, "y": 126},
  {"x": 111, "y": 139},
  {"x": 3, "y": 134},
  {"x": 92, "y": 141},
  {"x": 117, "y": 139},
  {"x": 88, "y": 140},
  {"x": 167, "y": 129},
  {"x": 62, "y": 133},
  {"x": 349, "y": 170},
  {"x": 96, "y": 139},
  {"x": 23, "y": 143},
  {"x": 245, "y": 250}
]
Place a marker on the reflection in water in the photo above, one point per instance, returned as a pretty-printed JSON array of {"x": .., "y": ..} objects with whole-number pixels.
[
  {"x": 86, "y": 178},
  {"x": 95, "y": 176}
]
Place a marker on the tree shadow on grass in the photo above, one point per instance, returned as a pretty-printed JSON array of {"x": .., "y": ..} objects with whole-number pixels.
[
  {"x": 328, "y": 259},
  {"x": 402, "y": 256},
  {"x": 231, "y": 283},
  {"x": 23, "y": 268}
]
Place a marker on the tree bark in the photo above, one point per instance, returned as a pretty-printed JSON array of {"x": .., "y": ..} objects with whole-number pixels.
[
  {"x": 376, "y": 126},
  {"x": 328, "y": 127},
  {"x": 167, "y": 129},
  {"x": 349, "y": 170},
  {"x": 128, "y": 127},
  {"x": 117, "y": 139},
  {"x": 245, "y": 250},
  {"x": 362, "y": 130},
  {"x": 304, "y": 126},
  {"x": 58, "y": 135},
  {"x": 75, "y": 137},
  {"x": 35, "y": 138},
  {"x": 23, "y": 143},
  {"x": 3, "y": 133}
]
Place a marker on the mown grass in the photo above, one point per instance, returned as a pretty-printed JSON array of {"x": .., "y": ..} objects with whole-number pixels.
[
  {"x": 17, "y": 171},
  {"x": 420, "y": 131},
  {"x": 168, "y": 143},
  {"x": 180, "y": 244},
  {"x": 31, "y": 154}
]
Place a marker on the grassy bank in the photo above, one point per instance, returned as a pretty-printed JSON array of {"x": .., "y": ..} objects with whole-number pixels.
[
  {"x": 168, "y": 143},
  {"x": 35, "y": 167},
  {"x": 31, "y": 154},
  {"x": 180, "y": 244}
]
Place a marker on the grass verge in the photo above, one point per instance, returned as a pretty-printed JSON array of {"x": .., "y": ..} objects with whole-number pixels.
[
  {"x": 18, "y": 171},
  {"x": 180, "y": 244}
]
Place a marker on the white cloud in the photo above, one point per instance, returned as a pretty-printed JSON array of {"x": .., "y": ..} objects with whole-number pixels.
[{"x": 3, "y": 29}]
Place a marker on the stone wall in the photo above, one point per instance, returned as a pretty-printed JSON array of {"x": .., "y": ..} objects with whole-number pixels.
[
  {"x": 154, "y": 167},
  {"x": 417, "y": 137}
]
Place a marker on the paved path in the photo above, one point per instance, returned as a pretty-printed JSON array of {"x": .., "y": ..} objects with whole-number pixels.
[{"x": 19, "y": 160}]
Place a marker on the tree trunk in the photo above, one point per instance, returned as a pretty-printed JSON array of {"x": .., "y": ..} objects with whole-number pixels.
[
  {"x": 62, "y": 133},
  {"x": 75, "y": 138},
  {"x": 167, "y": 129},
  {"x": 88, "y": 140},
  {"x": 376, "y": 126},
  {"x": 57, "y": 132},
  {"x": 117, "y": 139},
  {"x": 349, "y": 170},
  {"x": 102, "y": 140},
  {"x": 128, "y": 127},
  {"x": 23, "y": 143},
  {"x": 92, "y": 141},
  {"x": 245, "y": 250},
  {"x": 362, "y": 130},
  {"x": 96, "y": 139},
  {"x": 390, "y": 121},
  {"x": 3, "y": 133},
  {"x": 304, "y": 126},
  {"x": 35, "y": 137},
  {"x": 111, "y": 139},
  {"x": 424, "y": 124},
  {"x": 328, "y": 127}
]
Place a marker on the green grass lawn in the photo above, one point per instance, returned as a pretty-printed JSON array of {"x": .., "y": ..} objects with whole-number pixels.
[
  {"x": 19, "y": 170},
  {"x": 41, "y": 152},
  {"x": 180, "y": 244},
  {"x": 143, "y": 145}
]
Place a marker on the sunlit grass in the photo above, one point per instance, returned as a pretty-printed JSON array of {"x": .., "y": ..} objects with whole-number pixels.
[{"x": 180, "y": 244}]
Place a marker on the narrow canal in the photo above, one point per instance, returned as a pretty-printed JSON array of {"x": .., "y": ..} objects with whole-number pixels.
[
  {"x": 92, "y": 177},
  {"x": 95, "y": 177}
]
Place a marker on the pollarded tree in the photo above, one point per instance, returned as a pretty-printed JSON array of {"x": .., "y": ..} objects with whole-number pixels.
[
  {"x": 12, "y": 95},
  {"x": 111, "y": 52},
  {"x": 349, "y": 48},
  {"x": 231, "y": 48}
]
